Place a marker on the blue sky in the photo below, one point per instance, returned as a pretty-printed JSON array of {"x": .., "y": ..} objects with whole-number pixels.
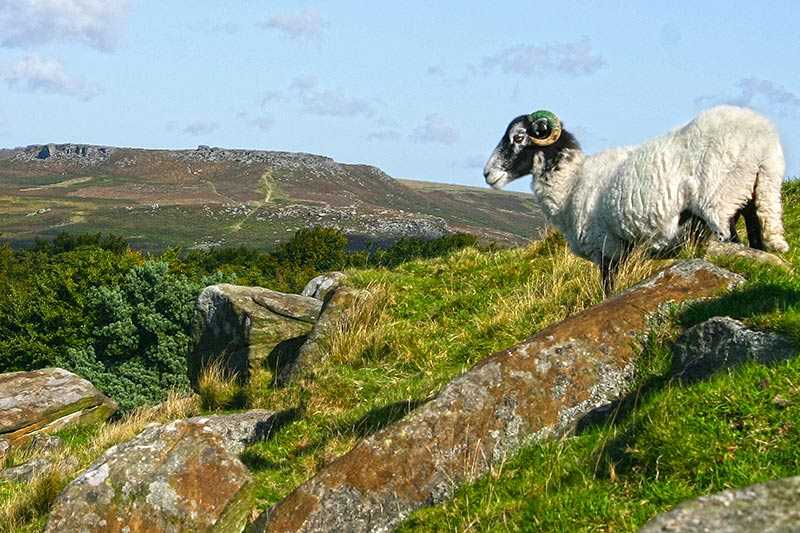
[{"x": 420, "y": 89}]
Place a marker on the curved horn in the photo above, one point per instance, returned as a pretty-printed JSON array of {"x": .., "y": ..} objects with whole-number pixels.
[{"x": 547, "y": 127}]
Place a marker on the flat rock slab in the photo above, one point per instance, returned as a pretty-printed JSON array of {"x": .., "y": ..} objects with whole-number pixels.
[
  {"x": 44, "y": 401},
  {"x": 729, "y": 249},
  {"x": 174, "y": 477},
  {"x": 242, "y": 326},
  {"x": 540, "y": 388},
  {"x": 722, "y": 342},
  {"x": 772, "y": 507}
]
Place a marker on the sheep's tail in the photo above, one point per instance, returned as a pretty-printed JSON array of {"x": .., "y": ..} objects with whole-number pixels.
[{"x": 767, "y": 200}]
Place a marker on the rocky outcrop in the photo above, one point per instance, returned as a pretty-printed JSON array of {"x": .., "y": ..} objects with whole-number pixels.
[
  {"x": 335, "y": 313},
  {"x": 320, "y": 286},
  {"x": 723, "y": 342},
  {"x": 83, "y": 154},
  {"x": 243, "y": 326},
  {"x": 770, "y": 507},
  {"x": 716, "y": 248},
  {"x": 175, "y": 477},
  {"x": 239, "y": 430},
  {"x": 537, "y": 389},
  {"x": 46, "y": 400}
]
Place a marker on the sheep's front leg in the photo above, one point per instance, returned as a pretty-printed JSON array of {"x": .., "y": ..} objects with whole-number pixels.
[
  {"x": 610, "y": 265},
  {"x": 608, "y": 270}
]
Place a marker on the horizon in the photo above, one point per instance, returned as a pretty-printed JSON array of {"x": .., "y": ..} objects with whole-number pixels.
[{"x": 313, "y": 77}]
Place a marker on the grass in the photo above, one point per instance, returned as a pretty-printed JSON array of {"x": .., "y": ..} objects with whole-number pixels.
[
  {"x": 669, "y": 441},
  {"x": 427, "y": 321}
]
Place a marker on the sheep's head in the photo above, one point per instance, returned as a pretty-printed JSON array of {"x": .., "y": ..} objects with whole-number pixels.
[{"x": 525, "y": 137}]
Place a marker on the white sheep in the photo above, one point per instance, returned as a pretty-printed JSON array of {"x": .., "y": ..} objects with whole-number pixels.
[{"x": 726, "y": 162}]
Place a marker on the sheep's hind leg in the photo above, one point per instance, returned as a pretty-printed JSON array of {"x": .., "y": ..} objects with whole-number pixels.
[
  {"x": 753, "y": 225},
  {"x": 734, "y": 235},
  {"x": 767, "y": 205}
]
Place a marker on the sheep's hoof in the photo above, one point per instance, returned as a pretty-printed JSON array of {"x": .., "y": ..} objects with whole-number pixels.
[{"x": 777, "y": 244}]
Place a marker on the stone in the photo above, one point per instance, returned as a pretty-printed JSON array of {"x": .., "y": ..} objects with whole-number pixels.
[
  {"x": 47, "y": 400},
  {"x": 721, "y": 343},
  {"x": 45, "y": 443},
  {"x": 538, "y": 389},
  {"x": 335, "y": 313},
  {"x": 239, "y": 430},
  {"x": 244, "y": 326},
  {"x": 716, "y": 248},
  {"x": 323, "y": 285},
  {"x": 25, "y": 472},
  {"x": 173, "y": 477},
  {"x": 770, "y": 507}
]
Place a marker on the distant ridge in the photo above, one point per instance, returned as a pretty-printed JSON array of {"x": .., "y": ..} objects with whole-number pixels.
[{"x": 212, "y": 196}]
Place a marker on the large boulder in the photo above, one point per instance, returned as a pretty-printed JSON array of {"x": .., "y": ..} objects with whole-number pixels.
[
  {"x": 538, "y": 389},
  {"x": 335, "y": 313},
  {"x": 770, "y": 507},
  {"x": 174, "y": 477},
  {"x": 46, "y": 400},
  {"x": 723, "y": 342},
  {"x": 243, "y": 326}
]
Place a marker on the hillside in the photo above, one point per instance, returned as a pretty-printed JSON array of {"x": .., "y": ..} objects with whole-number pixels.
[
  {"x": 429, "y": 321},
  {"x": 210, "y": 196}
]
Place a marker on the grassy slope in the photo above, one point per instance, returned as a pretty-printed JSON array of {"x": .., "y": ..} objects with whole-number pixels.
[
  {"x": 430, "y": 320},
  {"x": 671, "y": 442}
]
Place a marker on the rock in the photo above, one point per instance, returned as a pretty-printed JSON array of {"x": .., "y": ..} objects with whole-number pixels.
[
  {"x": 45, "y": 443},
  {"x": 723, "y": 342},
  {"x": 770, "y": 507},
  {"x": 538, "y": 389},
  {"x": 334, "y": 313},
  {"x": 243, "y": 326},
  {"x": 25, "y": 472},
  {"x": 323, "y": 285},
  {"x": 47, "y": 400},
  {"x": 239, "y": 430},
  {"x": 174, "y": 477},
  {"x": 716, "y": 248}
]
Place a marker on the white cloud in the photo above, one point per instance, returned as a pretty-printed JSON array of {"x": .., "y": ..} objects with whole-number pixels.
[
  {"x": 200, "y": 127},
  {"x": 435, "y": 129},
  {"x": 315, "y": 100},
  {"x": 572, "y": 58},
  {"x": 755, "y": 92},
  {"x": 383, "y": 135},
  {"x": 264, "y": 123},
  {"x": 36, "y": 74},
  {"x": 305, "y": 24},
  {"x": 96, "y": 23}
]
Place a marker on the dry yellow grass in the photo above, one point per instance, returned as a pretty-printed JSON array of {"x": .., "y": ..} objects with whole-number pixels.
[{"x": 219, "y": 388}]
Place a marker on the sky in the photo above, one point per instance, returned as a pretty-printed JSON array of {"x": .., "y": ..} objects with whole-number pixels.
[{"x": 420, "y": 89}]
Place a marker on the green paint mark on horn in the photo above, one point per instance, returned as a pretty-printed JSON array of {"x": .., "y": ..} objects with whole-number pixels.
[{"x": 543, "y": 113}]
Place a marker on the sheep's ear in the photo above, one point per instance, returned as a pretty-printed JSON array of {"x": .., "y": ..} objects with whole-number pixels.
[{"x": 545, "y": 128}]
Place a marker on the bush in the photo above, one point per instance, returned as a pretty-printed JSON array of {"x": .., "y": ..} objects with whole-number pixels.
[{"x": 89, "y": 304}]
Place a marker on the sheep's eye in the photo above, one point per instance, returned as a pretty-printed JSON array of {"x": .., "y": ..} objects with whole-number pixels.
[{"x": 518, "y": 138}]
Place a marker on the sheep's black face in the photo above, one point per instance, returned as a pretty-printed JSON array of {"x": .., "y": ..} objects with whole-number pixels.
[{"x": 514, "y": 155}]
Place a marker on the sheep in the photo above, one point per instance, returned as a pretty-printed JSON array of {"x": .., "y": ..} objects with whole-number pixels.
[{"x": 725, "y": 163}]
